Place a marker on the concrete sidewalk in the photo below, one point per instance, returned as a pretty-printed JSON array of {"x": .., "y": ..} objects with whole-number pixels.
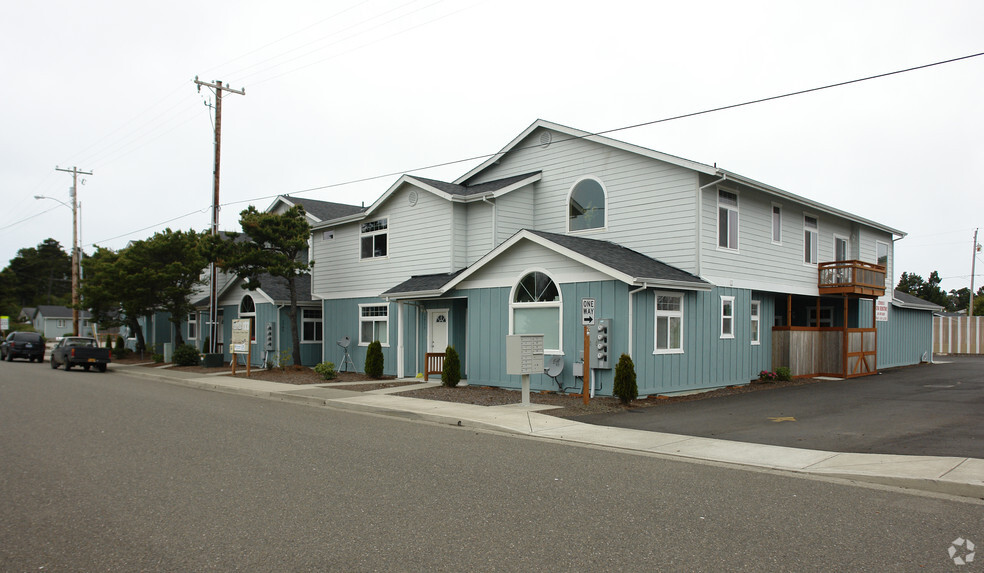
[{"x": 949, "y": 475}]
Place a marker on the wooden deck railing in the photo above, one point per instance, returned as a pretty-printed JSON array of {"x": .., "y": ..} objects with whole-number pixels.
[
  {"x": 851, "y": 277},
  {"x": 433, "y": 364}
]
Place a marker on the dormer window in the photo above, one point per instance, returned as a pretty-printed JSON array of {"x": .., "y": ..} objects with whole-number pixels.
[{"x": 587, "y": 206}]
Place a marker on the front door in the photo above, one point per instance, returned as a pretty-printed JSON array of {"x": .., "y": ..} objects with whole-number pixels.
[{"x": 437, "y": 330}]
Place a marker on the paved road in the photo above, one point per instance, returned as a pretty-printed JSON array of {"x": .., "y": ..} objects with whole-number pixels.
[
  {"x": 932, "y": 410},
  {"x": 103, "y": 472}
]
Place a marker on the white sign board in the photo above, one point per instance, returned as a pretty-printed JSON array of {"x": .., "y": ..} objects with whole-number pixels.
[
  {"x": 881, "y": 310},
  {"x": 240, "y": 335},
  {"x": 4, "y": 323},
  {"x": 587, "y": 311}
]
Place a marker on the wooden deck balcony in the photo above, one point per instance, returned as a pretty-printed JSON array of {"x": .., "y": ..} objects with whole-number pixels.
[{"x": 851, "y": 277}]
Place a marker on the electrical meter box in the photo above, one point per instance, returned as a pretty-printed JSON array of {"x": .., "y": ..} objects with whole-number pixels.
[
  {"x": 599, "y": 340},
  {"x": 524, "y": 354}
]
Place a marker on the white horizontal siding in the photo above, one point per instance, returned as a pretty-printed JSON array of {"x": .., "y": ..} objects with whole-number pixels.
[
  {"x": 419, "y": 242},
  {"x": 650, "y": 203},
  {"x": 514, "y": 212},
  {"x": 478, "y": 221}
]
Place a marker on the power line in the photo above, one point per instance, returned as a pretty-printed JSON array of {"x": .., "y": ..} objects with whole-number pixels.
[{"x": 587, "y": 135}]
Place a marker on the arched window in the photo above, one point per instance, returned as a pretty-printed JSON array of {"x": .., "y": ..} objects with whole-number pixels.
[
  {"x": 536, "y": 309},
  {"x": 247, "y": 309},
  {"x": 586, "y": 209}
]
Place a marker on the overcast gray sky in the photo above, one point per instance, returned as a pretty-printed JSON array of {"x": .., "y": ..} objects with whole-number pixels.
[{"x": 349, "y": 89}]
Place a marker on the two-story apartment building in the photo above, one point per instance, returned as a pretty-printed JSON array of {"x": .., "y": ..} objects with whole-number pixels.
[{"x": 707, "y": 276}]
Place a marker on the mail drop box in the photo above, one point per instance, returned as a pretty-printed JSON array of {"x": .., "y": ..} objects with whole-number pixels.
[{"x": 524, "y": 354}]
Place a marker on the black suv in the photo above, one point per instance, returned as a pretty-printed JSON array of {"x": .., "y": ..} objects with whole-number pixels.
[{"x": 28, "y": 345}]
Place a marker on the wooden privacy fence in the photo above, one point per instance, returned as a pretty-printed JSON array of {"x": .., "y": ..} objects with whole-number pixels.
[
  {"x": 958, "y": 334},
  {"x": 812, "y": 351}
]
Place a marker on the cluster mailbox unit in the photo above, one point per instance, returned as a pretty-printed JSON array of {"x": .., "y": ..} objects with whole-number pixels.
[{"x": 524, "y": 356}]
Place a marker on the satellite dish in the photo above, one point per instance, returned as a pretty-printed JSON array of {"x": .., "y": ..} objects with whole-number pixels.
[
  {"x": 554, "y": 366},
  {"x": 344, "y": 342}
]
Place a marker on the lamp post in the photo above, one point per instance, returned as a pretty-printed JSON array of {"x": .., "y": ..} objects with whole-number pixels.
[{"x": 75, "y": 256}]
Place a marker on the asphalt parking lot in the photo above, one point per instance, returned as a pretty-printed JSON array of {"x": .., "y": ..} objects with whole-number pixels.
[{"x": 931, "y": 409}]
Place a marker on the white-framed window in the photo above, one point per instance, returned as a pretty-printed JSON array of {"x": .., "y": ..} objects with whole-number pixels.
[
  {"x": 374, "y": 239},
  {"x": 840, "y": 248},
  {"x": 247, "y": 309},
  {"x": 727, "y": 317},
  {"x": 811, "y": 231},
  {"x": 826, "y": 316},
  {"x": 193, "y": 326},
  {"x": 61, "y": 323},
  {"x": 311, "y": 330},
  {"x": 777, "y": 223},
  {"x": 586, "y": 205},
  {"x": 727, "y": 219},
  {"x": 755, "y": 315},
  {"x": 669, "y": 323},
  {"x": 535, "y": 308},
  {"x": 881, "y": 252},
  {"x": 373, "y": 324}
]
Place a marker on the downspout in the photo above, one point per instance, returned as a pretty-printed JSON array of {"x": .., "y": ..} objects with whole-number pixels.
[
  {"x": 700, "y": 218},
  {"x": 632, "y": 292},
  {"x": 485, "y": 199}
]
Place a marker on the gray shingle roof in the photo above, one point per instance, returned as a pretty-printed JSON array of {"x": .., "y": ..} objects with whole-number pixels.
[
  {"x": 422, "y": 283},
  {"x": 907, "y": 300},
  {"x": 627, "y": 261},
  {"x": 325, "y": 210},
  {"x": 480, "y": 189},
  {"x": 53, "y": 311}
]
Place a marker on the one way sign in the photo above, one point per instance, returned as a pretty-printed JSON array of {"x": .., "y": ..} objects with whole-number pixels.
[{"x": 587, "y": 311}]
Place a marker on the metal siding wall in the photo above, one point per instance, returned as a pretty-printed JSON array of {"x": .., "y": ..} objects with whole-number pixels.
[{"x": 906, "y": 336}]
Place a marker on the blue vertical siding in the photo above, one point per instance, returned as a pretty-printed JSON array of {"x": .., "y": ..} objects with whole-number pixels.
[{"x": 905, "y": 338}]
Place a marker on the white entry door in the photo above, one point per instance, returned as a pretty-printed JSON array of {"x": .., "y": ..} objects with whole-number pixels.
[{"x": 437, "y": 330}]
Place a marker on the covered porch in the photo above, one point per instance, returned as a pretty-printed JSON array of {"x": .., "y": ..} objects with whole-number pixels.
[{"x": 832, "y": 334}]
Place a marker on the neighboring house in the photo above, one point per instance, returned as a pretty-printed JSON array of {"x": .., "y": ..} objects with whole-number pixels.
[
  {"x": 709, "y": 277},
  {"x": 26, "y": 314},
  {"x": 54, "y": 321}
]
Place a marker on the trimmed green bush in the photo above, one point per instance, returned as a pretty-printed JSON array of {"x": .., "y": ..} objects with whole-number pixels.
[
  {"x": 185, "y": 355},
  {"x": 157, "y": 357},
  {"x": 109, "y": 341},
  {"x": 784, "y": 374},
  {"x": 374, "y": 360},
  {"x": 451, "y": 373},
  {"x": 326, "y": 370},
  {"x": 206, "y": 346},
  {"x": 625, "y": 380}
]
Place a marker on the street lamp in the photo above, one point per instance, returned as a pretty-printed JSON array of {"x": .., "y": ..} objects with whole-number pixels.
[{"x": 75, "y": 256}]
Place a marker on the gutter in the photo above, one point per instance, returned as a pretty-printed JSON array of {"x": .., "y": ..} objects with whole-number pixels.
[{"x": 699, "y": 214}]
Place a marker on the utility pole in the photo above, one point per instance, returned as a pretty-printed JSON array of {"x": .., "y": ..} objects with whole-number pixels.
[
  {"x": 75, "y": 244},
  {"x": 973, "y": 268},
  {"x": 213, "y": 313}
]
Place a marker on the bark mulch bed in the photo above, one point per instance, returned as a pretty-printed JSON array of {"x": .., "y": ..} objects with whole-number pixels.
[{"x": 566, "y": 405}]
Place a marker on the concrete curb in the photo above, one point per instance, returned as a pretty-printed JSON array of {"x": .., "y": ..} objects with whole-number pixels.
[{"x": 946, "y": 475}]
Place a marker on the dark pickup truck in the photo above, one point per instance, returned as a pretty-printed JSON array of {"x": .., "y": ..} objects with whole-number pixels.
[{"x": 79, "y": 351}]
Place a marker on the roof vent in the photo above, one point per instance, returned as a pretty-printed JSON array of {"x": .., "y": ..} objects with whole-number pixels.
[{"x": 545, "y": 139}]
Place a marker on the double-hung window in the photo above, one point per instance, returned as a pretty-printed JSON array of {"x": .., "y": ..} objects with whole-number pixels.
[
  {"x": 776, "y": 224},
  {"x": 311, "y": 330},
  {"x": 811, "y": 231},
  {"x": 373, "y": 324},
  {"x": 669, "y": 323},
  {"x": 192, "y": 326},
  {"x": 374, "y": 235},
  {"x": 727, "y": 317},
  {"x": 727, "y": 220}
]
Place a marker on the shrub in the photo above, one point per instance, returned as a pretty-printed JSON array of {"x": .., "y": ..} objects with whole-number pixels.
[
  {"x": 625, "y": 380},
  {"x": 109, "y": 341},
  {"x": 374, "y": 360},
  {"x": 784, "y": 374},
  {"x": 283, "y": 358},
  {"x": 206, "y": 345},
  {"x": 326, "y": 370},
  {"x": 451, "y": 373},
  {"x": 185, "y": 355},
  {"x": 157, "y": 357},
  {"x": 768, "y": 376}
]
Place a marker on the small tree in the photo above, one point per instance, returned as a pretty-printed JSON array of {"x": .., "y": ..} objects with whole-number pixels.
[
  {"x": 374, "y": 360},
  {"x": 625, "y": 380},
  {"x": 451, "y": 373}
]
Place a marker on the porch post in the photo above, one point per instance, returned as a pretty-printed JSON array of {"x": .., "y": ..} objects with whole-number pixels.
[
  {"x": 846, "y": 338},
  {"x": 399, "y": 340},
  {"x": 789, "y": 310}
]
